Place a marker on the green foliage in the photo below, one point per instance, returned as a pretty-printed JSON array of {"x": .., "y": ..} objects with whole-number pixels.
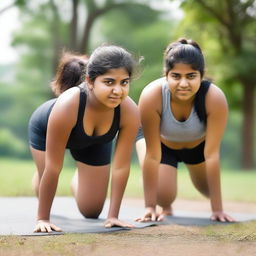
[
  {"x": 142, "y": 41},
  {"x": 10, "y": 144}
]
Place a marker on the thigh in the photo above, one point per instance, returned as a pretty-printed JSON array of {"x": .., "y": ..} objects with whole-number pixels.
[
  {"x": 199, "y": 177},
  {"x": 90, "y": 187},
  {"x": 141, "y": 150},
  {"x": 39, "y": 159}
]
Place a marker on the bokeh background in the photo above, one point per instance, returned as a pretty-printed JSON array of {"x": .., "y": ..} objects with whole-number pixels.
[{"x": 34, "y": 34}]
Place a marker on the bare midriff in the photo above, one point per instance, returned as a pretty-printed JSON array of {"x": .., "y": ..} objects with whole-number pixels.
[{"x": 181, "y": 145}]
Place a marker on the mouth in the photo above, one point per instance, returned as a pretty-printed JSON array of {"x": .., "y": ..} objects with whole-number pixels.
[
  {"x": 115, "y": 98},
  {"x": 183, "y": 91}
]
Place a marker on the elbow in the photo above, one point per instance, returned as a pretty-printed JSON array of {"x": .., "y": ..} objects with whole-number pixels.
[
  {"x": 211, "y": 156},
  {"x": 53, "y": 169},
  {"x": 153, "y": 158}
]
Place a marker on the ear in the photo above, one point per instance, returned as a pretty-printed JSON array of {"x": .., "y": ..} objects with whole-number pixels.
[{"x": 89, "y": 83}]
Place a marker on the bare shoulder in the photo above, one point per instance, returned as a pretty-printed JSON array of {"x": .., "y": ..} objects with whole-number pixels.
[
  {"x": 215, "y": 99},
  {"x": 151, "y": 96},
  {"x": 129, "y": 111},
  {"x": 69, "y": 99},
  {"x": 153, "y": 88},
  {"x": 66, "y": 106}
]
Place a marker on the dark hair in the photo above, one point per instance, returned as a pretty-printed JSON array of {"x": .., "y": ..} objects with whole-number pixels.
[
  {"x": 70, "y": 72},
  {"x": 108, "y": 57},
  {"x": 184, "y": 51}
]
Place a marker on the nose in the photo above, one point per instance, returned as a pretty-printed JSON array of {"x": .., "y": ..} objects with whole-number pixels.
[
  {"x": 183, "y": 82},
  {"x": 117, "y": 90}
]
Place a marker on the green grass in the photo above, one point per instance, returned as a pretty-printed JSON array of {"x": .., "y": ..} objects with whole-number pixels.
[
  {"x": 237, "y": 185},
  {"x": 16, "y": 175}
]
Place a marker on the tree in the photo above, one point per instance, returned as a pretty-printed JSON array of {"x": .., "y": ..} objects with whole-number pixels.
[
  {"x": 234, "y": 22},
  {"x": 94, "y": 12}
]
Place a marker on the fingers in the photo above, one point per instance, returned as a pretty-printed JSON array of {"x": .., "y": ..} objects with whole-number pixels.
[
  {"x": 230, "y": 219},
  {"x": 218, "y": 218},
  {"x": 46, "y": 227},
  {"x": 55, "y": 228},
  {"x": 161, "y": 217},
  {"x": 108, "y": 225},
  {"x": 151, "y": 216},
  {"x": 222, "y": 217},
  {"x": 115, "y": 222}
]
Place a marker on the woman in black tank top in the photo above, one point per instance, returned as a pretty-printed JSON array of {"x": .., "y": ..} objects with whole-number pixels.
[
  {"x": 185, "y": 124},
  {"x": 86, "y": 119}
]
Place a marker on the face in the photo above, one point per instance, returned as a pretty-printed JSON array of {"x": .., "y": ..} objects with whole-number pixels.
[
  {"x": 111, "y": 88},
  {"x": 184, "y": 82}
]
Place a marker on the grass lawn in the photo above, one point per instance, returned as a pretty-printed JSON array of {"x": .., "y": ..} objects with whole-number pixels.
[{"x": 16, "y": 175}]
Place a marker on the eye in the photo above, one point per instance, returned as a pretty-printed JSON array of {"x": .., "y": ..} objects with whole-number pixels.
[
  {"x": 108, "y": 82},
  {"x": 175, "y": 76},
  {"x": 125, "y": 82},
  {"x": 192, "y": 76}
]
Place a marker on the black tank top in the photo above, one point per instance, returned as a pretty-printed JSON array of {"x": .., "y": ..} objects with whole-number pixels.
[
  {"x": 200, "y": 100},
  {"x": 79, "y": 139}
]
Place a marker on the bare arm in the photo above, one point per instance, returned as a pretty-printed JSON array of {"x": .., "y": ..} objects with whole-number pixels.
[
  {"x": 217, "y": 113},
  {"x": 123, "y": 151},
  {"x": 150, "y": 109},
  {"x": 61, "y": 121}
]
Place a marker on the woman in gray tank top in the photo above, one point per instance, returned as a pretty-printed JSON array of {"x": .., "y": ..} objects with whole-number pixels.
[{"x": 185, "y": 124}]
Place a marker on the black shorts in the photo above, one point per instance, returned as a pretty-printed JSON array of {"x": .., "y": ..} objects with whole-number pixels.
[
  {"x": 96, "y": 155},
  {"x": 187, "y": 155},
  {"x": 140, "y": 134}
]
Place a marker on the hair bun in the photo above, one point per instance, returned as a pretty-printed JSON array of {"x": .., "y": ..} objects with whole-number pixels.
[{"x": 183, "y": 41}]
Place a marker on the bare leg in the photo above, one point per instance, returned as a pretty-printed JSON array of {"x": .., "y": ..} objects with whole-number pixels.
[
  {"x": 39, "y": 159},
  {"x": 141, "y": 151},
  {"x": 167, "y": 187},
  {"x": 198, "y": 176},
  {"x": 89, "y": 186}
]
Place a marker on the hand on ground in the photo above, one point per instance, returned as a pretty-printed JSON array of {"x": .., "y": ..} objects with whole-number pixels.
[
  {"x": 222, "y": 217},
  {"x": 46, "y": 226},
  {"x": 112, "y": 222},
  {"x": 150, "y": 215},
  {"x": 163, "y": 214}
]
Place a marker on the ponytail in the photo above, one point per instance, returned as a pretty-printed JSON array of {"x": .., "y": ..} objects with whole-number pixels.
[{"x": 70, "y": 72}]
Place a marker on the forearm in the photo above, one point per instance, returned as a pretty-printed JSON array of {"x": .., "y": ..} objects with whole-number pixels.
[
  {"x": 150, "y": 178},
  {"x": 214, "y": 184},
  {"x": 118, "y": 184},
  {"x": 47, "y": 192}
]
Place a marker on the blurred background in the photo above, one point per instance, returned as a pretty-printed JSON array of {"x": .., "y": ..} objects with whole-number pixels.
[{"x": 34, "y": 33}]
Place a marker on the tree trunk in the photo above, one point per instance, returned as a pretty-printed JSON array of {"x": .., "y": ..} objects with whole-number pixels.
[
  {"x": 248, "y": 125},
  {"x": 56, "y": 41},
  {"x": 92, "y": 16},
  {"x": 73, "y": 25},
  {"x": 84, "y": 47},
  {"x": 6, "y": 8}
]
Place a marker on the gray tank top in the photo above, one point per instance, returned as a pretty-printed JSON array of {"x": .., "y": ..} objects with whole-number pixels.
[{"x": 173, "y": 130}]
